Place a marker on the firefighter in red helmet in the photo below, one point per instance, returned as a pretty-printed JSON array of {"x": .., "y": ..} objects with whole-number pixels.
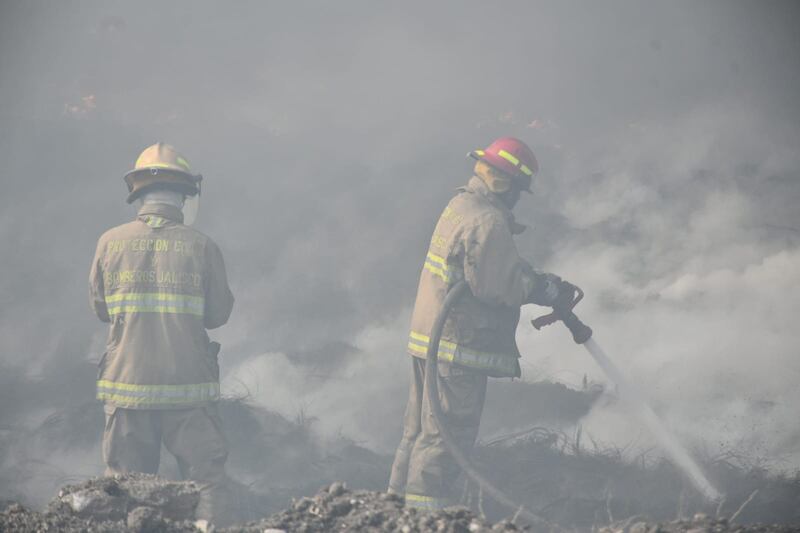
[{"x": 472, "y": 241}]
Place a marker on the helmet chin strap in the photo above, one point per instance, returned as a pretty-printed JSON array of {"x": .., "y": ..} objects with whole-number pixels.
[{"x": 163, "y": 196}]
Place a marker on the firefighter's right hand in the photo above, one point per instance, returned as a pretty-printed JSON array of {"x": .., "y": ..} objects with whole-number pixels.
[
  {"x": 568, "y": 296},
  {"x": 552, "y": 288}
]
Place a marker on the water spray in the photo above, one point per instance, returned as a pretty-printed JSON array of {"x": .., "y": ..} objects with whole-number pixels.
[
  {"x": 581, "y": 334},
  {"x": 628, "y": 391}
]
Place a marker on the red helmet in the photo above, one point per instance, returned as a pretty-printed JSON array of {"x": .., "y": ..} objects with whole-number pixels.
[{"x": 511, "y": 156}]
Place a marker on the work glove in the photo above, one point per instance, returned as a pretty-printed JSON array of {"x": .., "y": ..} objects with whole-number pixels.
[{"x": 546, "y": 289}]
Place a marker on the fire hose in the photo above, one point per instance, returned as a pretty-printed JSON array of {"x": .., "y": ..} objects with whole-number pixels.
[
  {"x": 432, "y": 387},
  {"x": 569, "y": 297}
]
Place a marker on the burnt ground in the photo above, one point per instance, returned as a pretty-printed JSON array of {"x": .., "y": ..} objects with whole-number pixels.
[
  {"x": 275, "y": 461},
  {"x": 136, "y": 502},
  {"x": 571, "y": 483},
  {"x": 142, "y": 503},
  {"x": 571, "y": 487},
  {"x": 44, "y": 446}
]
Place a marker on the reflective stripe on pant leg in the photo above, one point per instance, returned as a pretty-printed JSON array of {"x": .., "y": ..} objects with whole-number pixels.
[
  {"x": 425, "y": 502},
  {"x": 432, "y": 470},
  {"x": 424, "y": 487},
  {"x": 411, "y": 428}
]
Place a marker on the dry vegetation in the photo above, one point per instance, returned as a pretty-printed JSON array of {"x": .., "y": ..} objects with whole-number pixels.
[{"x": 576, "y": 484}]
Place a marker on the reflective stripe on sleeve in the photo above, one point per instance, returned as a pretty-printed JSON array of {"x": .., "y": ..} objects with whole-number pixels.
[
  {"x": 437, "y": 266},
  {"x": 156, "y": 395},
  {"x": 155, "y": 302},
  {"x": 453, "y": 353}
]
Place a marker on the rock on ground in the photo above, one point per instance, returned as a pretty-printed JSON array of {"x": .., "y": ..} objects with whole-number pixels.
[
  {"x": 132, "y": 502},
  {"x": 336, "y": 509},
  {"x": 142, "y": 503}
]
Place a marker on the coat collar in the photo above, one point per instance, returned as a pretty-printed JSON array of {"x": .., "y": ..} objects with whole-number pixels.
[
  {"x": 161, "y": 210},
  {"x": 477, "y": 186}
]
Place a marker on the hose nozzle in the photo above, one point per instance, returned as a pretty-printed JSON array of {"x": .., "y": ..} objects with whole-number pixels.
[{"x": 569, "y": 297}]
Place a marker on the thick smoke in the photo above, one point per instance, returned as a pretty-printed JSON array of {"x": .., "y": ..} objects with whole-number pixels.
[
  {"x": 330, "y": 136},
  {"x": 697, "y": 301}
]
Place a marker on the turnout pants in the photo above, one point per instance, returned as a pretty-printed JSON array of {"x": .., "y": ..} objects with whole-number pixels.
[
  {"x": 132, "y": 443},
  {"x": 423, "y": 470}
]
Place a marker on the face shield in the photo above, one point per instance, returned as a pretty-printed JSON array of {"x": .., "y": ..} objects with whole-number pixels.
[{"x": 191, "y": 206}]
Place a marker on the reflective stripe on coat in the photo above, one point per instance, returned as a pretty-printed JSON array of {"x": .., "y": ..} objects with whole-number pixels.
[
  {"x": 473, "y": 240},
  {"x": 160, "y": 285}
]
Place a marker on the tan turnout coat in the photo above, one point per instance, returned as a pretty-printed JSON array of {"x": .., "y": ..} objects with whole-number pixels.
[
  {"x": 160, "y": 285},
  {"x": 473, "y": 240}
]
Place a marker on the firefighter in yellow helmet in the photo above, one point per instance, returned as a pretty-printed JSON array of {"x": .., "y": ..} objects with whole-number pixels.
[
  {"x": 472, "y": 241},
  {"x": 160, "y": 285}
]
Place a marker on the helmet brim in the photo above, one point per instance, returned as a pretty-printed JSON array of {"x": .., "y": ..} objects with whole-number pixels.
[
  {"x": 165, "y": 169},
  {"x": 183, "y": 188},
  {"x": 142, "y": 180},
  {"x": 523, "y": 181}
]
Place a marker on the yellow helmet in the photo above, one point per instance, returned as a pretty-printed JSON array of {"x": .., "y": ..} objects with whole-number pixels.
[{"x": 161, "y": 166}]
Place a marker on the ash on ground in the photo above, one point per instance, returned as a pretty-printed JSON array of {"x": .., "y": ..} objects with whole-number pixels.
[
  {"x": 552, "y": 473},
  {"x": 133, "y": 502},
  {"x": 337, "y": 509},
  {"x": 143, "y": 503}
]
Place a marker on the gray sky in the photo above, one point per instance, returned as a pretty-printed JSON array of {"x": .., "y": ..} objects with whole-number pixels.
[{"x": 331, "y": 134}]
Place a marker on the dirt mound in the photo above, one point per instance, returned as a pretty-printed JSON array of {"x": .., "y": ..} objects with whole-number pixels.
[
  {"x": 143, "y": 503},
  {"x": 337, "y": 509},
  {"x": 271, "y": 457},
  {"x": 134, "y": 502}
]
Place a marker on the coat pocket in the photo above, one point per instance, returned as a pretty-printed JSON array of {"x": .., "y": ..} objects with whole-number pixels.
[
  {"x": 101, "y": 365},
  {"x": 115, "y": 332}
]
